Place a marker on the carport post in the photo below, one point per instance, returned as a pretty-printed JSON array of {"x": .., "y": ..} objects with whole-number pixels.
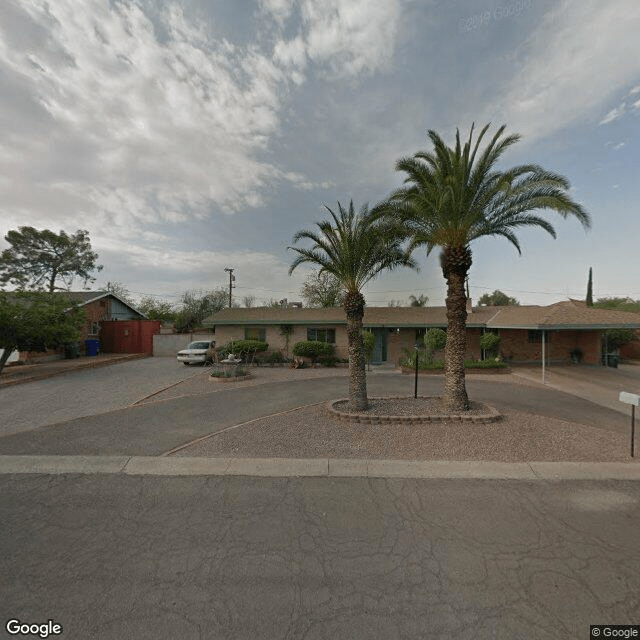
[{"x": 544, "y": 355}]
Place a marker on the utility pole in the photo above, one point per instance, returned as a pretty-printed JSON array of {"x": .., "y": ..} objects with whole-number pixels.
[{"x": 232, "y": 279}]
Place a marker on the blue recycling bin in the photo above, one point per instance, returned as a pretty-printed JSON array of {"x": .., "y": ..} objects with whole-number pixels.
[{"x": 93, "y": 347}]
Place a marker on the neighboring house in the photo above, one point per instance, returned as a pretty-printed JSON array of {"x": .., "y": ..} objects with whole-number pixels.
[
  {"x": 566, "y": 326},
  {"x": 118, "y": 326}
]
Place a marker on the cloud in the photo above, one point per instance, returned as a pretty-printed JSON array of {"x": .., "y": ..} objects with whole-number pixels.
[
  {"x": 345, "y": 38},
  {"x": 580, "y": 56},
  {"x": 614, "y": 114},
  {"x": 147, "y": 117}
]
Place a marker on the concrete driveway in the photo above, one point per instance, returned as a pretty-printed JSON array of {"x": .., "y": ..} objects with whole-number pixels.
[
  {"x": 155, "y": 427},
  {"x": 601, "y": 385},
  {"x": 87, "y": 392}
]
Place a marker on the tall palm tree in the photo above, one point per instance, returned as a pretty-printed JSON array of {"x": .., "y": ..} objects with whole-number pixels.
[
  {"x": 453, "y": 196},
  {"x": 351, "y": 247}
]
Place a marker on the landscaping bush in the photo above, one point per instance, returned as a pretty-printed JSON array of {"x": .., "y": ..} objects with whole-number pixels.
[
  {"x": 434, "y": 340},
  {"x": 369, "y": 342},
  {"x": 242, "y": 348},
  {"x": 275, "y": 357},
  {"x": 490, "y": 342},
  {"x": 468, "y": 364},
  {"x": 328, "y": 361},
  {"x": 312, "y": 349}
]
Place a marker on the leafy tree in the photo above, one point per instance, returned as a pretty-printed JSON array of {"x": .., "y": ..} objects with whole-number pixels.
[
  {"x": 497, "y": 299},
  {"x": 619, "y": 304},
  {"x": 39, "y": 259},
  {"x": 120, "y": 290},
  {"x": 198, "y": 305},
  {"x": 589, "y": 299},
  {"x": 615, "y": 338},
  {"x": 434, "y": 340},
  {"x": 35, "y": 321},
  {"x": 352, "y": 248},
  {"x": 420, "y": 301},
  {"x": 156, "y": 309},
  {"x": 453, "y": 196},
  {"x": 322, "y": 289}
]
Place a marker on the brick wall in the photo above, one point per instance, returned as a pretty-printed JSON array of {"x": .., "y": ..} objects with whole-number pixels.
[{"x": 515, "y": 346}]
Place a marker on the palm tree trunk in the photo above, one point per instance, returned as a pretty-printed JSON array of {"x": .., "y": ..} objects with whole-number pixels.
[
  {"x": 354, "y": 306},
  {"x": 455, "y": 266}
]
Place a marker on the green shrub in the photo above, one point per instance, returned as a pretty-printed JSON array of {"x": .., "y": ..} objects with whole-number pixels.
[
  {"x": 218, "y": 373},
  {"x": 242, "y": 348},
  {"x": 489, "y": 342},
  {"x": 312, "y": 349},
  {"x": 434, "y": 340},
  {"x": 616, "y": 338},
  {"x": 468, "y": 364},
  {"x": 275, "y": 357},
  {"x": 328, "y": 361},
  {"x": 369, "y": 341}
]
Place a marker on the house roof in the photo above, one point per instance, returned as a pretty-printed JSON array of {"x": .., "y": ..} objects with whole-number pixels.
[
  {"x": 85, "y": 297},
  {"x": 569, "y": 314}
]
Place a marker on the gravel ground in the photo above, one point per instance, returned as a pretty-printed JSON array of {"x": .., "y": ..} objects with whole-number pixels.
[
  {"x": 409, "y": 407},
  {"x": 311, "y": 433}
]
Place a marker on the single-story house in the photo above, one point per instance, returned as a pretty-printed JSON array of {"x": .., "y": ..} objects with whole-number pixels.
[
  {"x": 564, "y": 327},
  {"x": 117, "y": 325}
]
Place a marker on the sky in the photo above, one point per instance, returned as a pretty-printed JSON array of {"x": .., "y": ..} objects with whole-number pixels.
[{"x": 192, "y": 136}]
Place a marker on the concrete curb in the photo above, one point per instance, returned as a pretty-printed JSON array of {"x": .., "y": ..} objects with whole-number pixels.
[{"x": 319, "y": 467}]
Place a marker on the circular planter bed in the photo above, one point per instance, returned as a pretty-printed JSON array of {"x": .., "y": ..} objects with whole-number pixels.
[
  {"x": 403, "y": 410},
  {"x": 224, "y": 379}
]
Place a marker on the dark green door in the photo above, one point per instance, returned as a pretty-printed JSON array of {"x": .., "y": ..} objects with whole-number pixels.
[{"x": 380, "y": 349}]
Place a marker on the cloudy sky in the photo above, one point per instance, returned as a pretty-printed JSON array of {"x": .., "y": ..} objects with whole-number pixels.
[{"x": 202, "y": 134}]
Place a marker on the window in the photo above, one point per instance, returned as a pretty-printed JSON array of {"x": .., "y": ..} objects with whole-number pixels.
[
  {"x": 322, "y": 335},
  {"x": 255, "y": 333},
  {"x": 94, "y": 329}
]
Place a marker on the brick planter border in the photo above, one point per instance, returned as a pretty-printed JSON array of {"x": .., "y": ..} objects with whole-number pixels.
[
  {"x": 222, "y": 379},
  {"x": 365, "y": 418}
]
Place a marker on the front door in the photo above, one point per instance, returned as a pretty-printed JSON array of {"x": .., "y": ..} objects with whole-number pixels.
[{"x": 380, "y": 348}]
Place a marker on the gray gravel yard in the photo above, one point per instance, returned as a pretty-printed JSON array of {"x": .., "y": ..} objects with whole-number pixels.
[{"x": 519, "y": 437}]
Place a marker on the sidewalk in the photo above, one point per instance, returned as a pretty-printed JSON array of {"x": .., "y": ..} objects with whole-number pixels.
[
  {"x": 319, "y": 467},
  {"x": 20, "y": 373}
]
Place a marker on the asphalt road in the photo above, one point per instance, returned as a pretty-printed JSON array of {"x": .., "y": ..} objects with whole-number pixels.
[
  {"x": 111, "y": 557},
  {"x": 156, "y": 427}
]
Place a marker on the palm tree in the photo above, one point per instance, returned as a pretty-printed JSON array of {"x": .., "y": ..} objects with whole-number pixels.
[
  {"x": 453, "y": 196},
  {"x": 351, "y": 248}
]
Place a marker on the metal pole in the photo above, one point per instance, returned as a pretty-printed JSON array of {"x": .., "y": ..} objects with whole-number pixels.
[
  {"x": 415, "y": 388},
  {"x": 633, "y": 428},
  {"x": 543, "y": 354}
]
